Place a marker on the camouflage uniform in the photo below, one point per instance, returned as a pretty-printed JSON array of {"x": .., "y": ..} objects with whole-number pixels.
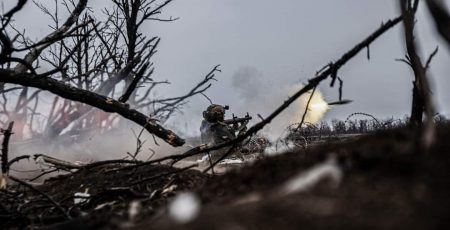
[{"x": 214, "y": 131}]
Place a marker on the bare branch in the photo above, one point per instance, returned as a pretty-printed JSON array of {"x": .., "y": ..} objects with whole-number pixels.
[
  {"x": 93, "y": 99},
  {"x": 430, "y": 58},
  {"x": 10, "y": 13},
  {"x": 196, "y": 90},
  {"x": 306, "y": 109},
  {"x": 34, "y": 53},
  {"x": 441, "y": 18},
  {"x": 133, "y": 84}
]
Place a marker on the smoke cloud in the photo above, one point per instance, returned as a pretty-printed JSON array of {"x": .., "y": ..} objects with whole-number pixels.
[{"x": 249, "y": 84}]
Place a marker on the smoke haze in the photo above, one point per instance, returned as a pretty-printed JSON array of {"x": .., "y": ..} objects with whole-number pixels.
[{"x": 251, "y": 86}]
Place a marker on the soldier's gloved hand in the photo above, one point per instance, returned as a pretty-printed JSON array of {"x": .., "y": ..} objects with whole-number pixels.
[
  {"x": 242, "y": 130},
  {"x": 242, "y": 126},
  {"x": 235, "y": 126}
]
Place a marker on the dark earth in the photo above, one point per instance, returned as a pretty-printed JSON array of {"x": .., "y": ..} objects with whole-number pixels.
[{"x": 387, "y": 183}]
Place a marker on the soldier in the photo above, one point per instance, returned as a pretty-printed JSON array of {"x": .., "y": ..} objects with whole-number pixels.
[{"x": 215, "y": 130}]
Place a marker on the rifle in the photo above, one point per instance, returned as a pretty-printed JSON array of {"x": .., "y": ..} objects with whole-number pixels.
[{"x": 236, "y": 120}]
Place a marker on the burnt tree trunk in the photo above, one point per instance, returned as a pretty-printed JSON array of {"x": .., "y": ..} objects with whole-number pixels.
[
  {"x": 4, "y": 157},
  {"x": 417, "y": 107}
]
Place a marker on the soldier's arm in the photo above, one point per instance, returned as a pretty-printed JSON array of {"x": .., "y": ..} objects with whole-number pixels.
[{"x": 222, "y": 132}]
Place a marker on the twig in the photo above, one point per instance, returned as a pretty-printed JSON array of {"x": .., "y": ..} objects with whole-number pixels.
[
  {"x": 306, "y": 110},
  {"x": 34, "y": 53},
  {"x": 430, "y": 58},
  {"x": 16, "y": 159},
  {"x": 341, "y": 84},
  {"x": 227, "y": 153},
  {"x": 10, "y": 13},
  {"x": 207, "y": 98},
  {"x": 152, "y": 154},
  {"x": 260, "y": 117},
  {"x": 124, "y": 98},
  {"x": 43, "y": 174},
  {"x": 139, "y": 144},
  {"x": 210, "y": 163},
  {"x": 405, "y": 60},
  {"x": 162, "y": 175}
]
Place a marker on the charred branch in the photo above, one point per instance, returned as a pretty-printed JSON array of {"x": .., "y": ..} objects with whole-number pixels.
[
  {"x": 7, "y": 17},
  {"x": 441, "y": 18},
  {"x": 5, "y": 146},
  {"x": 84, "y": 96},
  {"x": 430, "y": 58},
  {"x": 306, "y": 109},
  {"x": 162, "y": 175},
  {"x": 57, "y": 163},
  {"x": 131, "y": 88}
]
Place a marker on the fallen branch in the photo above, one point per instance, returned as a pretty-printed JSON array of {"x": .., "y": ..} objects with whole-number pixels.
[
  {"x": 227, "y": 153},
  {"x": 56, "y": 163},
  {"x": 96, "y": 100},
  {"x": 162, "y": 175},
  {"x": 101, "y": 163}
]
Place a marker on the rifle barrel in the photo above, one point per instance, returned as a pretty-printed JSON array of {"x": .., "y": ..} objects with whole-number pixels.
[{"x": 236, "y": 120}]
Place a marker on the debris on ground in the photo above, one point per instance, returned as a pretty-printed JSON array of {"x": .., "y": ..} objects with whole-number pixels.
[{"x": 374, "y": 181}]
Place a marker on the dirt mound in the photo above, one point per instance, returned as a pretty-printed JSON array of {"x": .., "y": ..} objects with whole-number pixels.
[
  {"x": 375, "y": 181},
  {"x": 111, "y": 188}
]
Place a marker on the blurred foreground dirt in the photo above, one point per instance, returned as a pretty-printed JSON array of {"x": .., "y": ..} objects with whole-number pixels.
[{"x": 386, "y": 184}]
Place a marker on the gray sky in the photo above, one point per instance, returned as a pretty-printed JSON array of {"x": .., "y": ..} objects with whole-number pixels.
[
  {"x": 286, "y": 42},
  {"x": 271, "y": 45}
]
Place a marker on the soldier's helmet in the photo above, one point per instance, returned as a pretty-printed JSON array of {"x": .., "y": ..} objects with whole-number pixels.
[{"x": 215, "y": 113}]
